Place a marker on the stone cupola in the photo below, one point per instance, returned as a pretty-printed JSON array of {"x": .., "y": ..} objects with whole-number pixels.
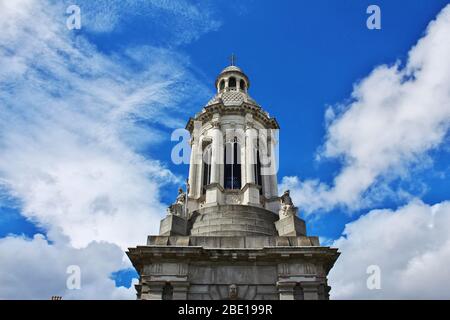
[
  {"x": 232, "y": 78},
  {"x": 234, "y": 149}
]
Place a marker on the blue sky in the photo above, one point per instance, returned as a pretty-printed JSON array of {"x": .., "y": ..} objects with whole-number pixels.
[{"x": 137, "y": 70}]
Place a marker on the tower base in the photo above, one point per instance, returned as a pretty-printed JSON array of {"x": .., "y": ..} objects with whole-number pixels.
[{"x": 233, "y": 267}]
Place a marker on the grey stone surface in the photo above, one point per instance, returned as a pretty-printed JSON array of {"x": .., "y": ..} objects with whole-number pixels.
[
  {"x": 268, "y": 272},
  {"x": 233, "y": 220},
  {"x": 290, "y": 226},
  {"x": 238, "y": 242},
  {"x": 173, "y": 225}
]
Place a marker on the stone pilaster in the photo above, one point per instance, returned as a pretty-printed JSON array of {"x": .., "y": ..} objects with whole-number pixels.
[
  {"x": 180, "y": 290},
  {"x": 286, "y": 290},
  {"x": 310, "y": 290},
  {"x": 152, "y": 290}
]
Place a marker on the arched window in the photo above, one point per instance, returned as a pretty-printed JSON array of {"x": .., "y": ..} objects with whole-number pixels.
[
  {"x": 232, "y": 161},
  {"x": 167, "y": 293},
  {"x": 232, "y": 82},
  {"x": 222, "y": 85},
  {"x": 257, "y": 165},
  {"x": 242, "y": 84},
  {"x": 207, "y": 154}
]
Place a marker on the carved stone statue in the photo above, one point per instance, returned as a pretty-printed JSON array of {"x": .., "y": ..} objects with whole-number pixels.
[
  {"x": 181, "y": 198},
  {"x": 178, "y": 207},
  {"x": 287, "y": 207}
]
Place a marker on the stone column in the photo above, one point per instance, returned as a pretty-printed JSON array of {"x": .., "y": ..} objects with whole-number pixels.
[
  {"x": 264, "y": 154},
  {"x": 251, "y": 192},
  {"x": 273, "y": 183},
  {"x": 217, "y": 144},
  {"x": 213, "y": 191},
  {"x": 250, "y": 156},
  {"x": 199, "y": 174},
  {"x": 196, "y": 162},
  {"x": 193, "y": 169}
]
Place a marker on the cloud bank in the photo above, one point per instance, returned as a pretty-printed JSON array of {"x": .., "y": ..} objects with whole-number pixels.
[
  {"x": 395, "y": 117},
  {"x": 35, "y": 269},
  {"x": 71, "y": 127},
  {"x": 410, "y": 245}
]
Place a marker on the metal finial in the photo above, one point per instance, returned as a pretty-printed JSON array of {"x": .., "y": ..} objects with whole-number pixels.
[{"x": 232, "y": 59}]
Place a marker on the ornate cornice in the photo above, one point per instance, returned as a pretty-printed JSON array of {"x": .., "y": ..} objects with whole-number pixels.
[{"x": 258, "y": 114}]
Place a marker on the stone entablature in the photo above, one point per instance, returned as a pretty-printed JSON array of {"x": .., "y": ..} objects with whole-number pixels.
[
  {"x": 238, "y": 242},
  {"x": 259, "y": 267}
]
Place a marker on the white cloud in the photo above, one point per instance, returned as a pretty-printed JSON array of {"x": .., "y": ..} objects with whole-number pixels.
[
  {"x": 396, "y": 116},
  {"x": 35, "y": 269},
  {"x": 410, "y": 245},
  {"x": 68, "y": 114},
  {"x": 70, "y": 135}
]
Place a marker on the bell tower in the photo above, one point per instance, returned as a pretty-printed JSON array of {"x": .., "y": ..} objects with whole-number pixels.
[
  {"x": 234, "y": 149},
  {"x": 231, "y": 235}
]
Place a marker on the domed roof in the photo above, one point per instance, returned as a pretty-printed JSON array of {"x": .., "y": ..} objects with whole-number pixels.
[
  {"x": 231, "y": 68},
  {"x": 232, "y": 98}
]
